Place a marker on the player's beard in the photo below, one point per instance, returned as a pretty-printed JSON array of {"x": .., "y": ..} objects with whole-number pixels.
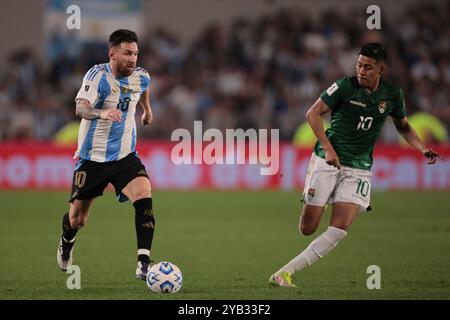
[{"x": 125, "y": 70}]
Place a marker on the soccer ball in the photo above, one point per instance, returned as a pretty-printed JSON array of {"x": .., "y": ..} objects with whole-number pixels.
[{"x": 164, "y": 277}]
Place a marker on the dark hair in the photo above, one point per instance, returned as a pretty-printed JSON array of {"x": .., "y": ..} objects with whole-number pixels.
[
  {"x": 374, "y": 50},
  {"x": 122, "y": 35}
]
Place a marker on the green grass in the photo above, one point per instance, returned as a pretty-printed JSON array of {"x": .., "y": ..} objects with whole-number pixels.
[{"x": 227, "y": 245}]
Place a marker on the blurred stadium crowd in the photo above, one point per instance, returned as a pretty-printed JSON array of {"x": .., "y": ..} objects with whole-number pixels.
[{"x": 262, "y": 73}]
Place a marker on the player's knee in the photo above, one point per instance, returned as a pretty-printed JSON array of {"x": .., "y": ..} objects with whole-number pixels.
[
  {"x": 140, "y": 195},
  {"x": 307, "y": 226},
  {"x": 77, "y": 221},
  {"x": 309, "y": 219},
  {"x": 306, "y": 229}
]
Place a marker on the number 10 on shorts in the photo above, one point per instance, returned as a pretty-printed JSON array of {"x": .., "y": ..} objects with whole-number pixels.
[{"x": 363, "y": 187}]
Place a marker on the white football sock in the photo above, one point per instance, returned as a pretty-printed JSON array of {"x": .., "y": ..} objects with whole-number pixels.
[
  {"x": 322, "y": 245},
  {"x": 144, "y": 252}
]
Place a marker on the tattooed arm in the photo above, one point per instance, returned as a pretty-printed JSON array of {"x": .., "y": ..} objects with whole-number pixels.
[{"x": 86, "y": 111}]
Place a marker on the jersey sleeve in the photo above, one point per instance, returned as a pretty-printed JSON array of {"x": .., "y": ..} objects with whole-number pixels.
[
  {"x": 89, "y": 88},
  {"x": 399, "y": 110},
  {"x": 145, "y": 80},
  {"x": 335, "y": 94}
]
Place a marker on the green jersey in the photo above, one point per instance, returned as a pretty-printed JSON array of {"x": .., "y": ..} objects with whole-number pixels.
[{"x": 357, "y": 117}]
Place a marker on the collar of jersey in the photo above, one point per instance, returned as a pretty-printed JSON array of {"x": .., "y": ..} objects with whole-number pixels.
[{"x": 373, "y": 93}]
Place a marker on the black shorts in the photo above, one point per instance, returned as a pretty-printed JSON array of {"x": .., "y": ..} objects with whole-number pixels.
[{"x": 90, "y": 178}]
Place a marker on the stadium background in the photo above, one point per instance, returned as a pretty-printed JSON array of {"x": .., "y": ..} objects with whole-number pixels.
[{"x": 232, "y": 64}]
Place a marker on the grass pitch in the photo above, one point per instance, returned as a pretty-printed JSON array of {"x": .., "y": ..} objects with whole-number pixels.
[{"x": 227, "y": 244}]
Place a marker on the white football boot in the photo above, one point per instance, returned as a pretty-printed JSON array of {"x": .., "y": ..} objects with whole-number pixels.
[
  {"x": 64, "y": 254},
  {"x": 142, "y": 270}
]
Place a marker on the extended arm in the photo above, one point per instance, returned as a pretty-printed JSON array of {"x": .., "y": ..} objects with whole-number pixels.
[
  {"x": 147, "y": 116},
  {"x": 410, "y": 135},
  {"x": 314, "y": 117}
]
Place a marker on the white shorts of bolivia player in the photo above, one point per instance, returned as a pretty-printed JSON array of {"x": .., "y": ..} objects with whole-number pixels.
[{"x": 325, "y": 184}]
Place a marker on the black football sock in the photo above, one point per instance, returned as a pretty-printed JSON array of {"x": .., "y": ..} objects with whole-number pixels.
[
  {"x": 68, "y": 233},
  {"x": 145, "y": 227}
]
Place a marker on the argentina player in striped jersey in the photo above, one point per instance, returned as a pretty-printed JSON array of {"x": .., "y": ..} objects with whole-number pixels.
[{"x": 106, "y": 151}]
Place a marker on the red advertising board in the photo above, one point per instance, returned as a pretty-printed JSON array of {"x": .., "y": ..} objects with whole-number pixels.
[{"x": 47, "y": 166}]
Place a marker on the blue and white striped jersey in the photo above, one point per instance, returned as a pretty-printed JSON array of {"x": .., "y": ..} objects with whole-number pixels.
[{"x": 102, "y": 140}]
